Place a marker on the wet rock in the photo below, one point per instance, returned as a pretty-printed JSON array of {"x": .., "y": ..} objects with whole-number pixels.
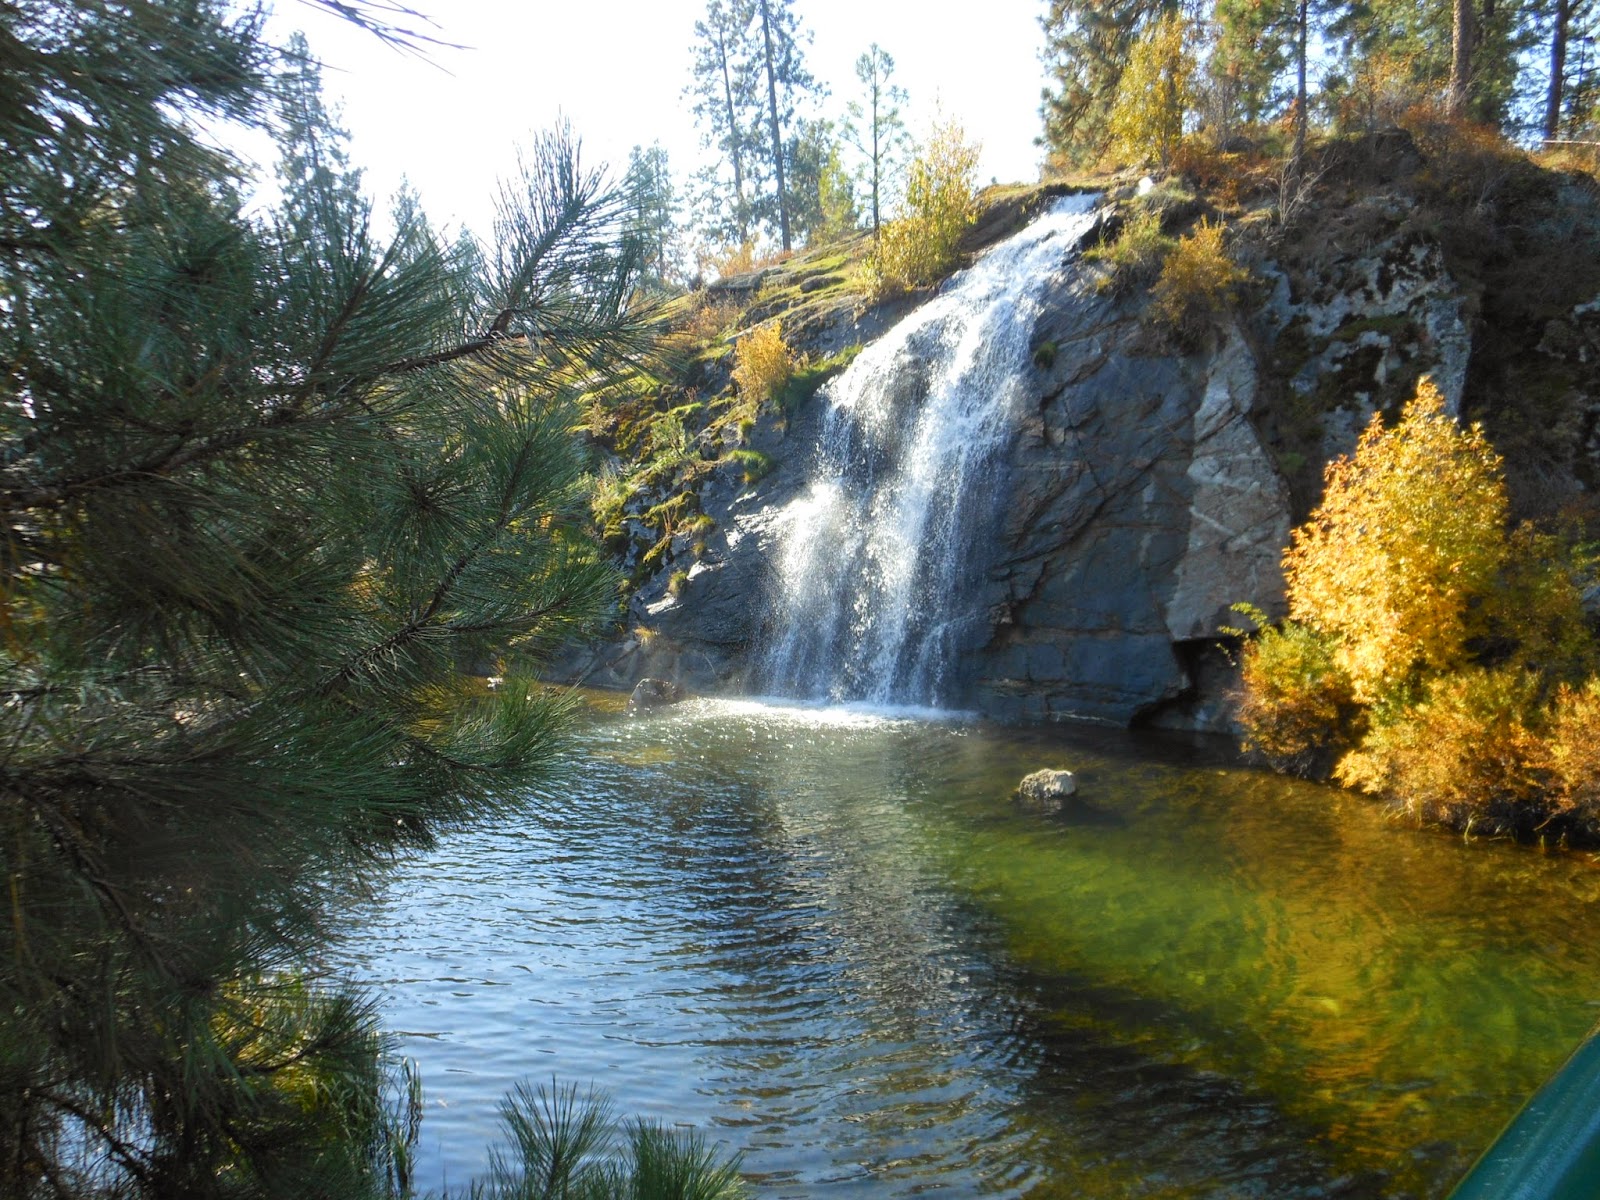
[
  {"x": 654, "y": 693},
  {"x": 1044, "y": 791}
]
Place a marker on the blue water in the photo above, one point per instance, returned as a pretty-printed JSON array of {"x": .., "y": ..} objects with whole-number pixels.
[{"x": 830, "y": 940}]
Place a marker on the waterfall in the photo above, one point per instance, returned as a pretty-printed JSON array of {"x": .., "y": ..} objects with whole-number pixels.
[{"x": 880, "y": 557}]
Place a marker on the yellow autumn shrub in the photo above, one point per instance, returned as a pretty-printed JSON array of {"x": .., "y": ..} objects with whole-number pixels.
[
  {"x": 762, "y": 365},
  {"x": 1297, "y": 710},
  {"x": 1199, "y": 280},
  {"x": 1410, "y": 530},
  {"x": 1136, "y": 254},
  {"x": 1573, "y": 753},
  {"x": 1464, "y": 651},
  {"x": 1471, "y": 751},
  {"x": 920, "y": 247}
]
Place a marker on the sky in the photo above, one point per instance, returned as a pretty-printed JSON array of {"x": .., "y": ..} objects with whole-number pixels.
[{"x": 451, "y": 122}]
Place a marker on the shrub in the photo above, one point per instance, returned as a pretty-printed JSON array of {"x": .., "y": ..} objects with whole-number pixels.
[
  {"x": 1199, "y": 281},
  {"x": 920, "y": 247},
  {"x": 1135, "y": 257},
  {"x": 757, "y": 466},
  {"x": 1534, "y": 613},
  {"x": 1470, "y": 753},
  {"x": 609, "y": 493},
  {"x": 762, "y": 365},
  {"x": 707, "y": 319},
  {"x": 1298, "y": 709},
  {"x": 1410, "y": 531},
  {"x": 1411, "y": 606},
  {"x": 1572, "y": 754},
  {"x": 1383, "y": 89}
]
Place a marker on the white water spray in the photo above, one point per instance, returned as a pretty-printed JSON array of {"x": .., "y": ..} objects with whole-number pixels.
[{"x": 879, "y": 563}]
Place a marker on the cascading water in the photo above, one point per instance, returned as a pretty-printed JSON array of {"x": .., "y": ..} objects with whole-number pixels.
[{"x": 875, "y": 597}]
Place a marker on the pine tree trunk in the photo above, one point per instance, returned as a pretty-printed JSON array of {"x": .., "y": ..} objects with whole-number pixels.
[
  {"x": 1302, "y": 25},
  {"x": 1558, "y": 69},
  {"x": 877, "y": 158},
  {"x": 1461, "y": 42},
  {"x": 740, "y": 215},
  {"x": 777, "y": 135}
]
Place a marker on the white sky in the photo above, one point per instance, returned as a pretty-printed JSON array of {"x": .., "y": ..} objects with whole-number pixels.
[{"x": 617, "y": 69}]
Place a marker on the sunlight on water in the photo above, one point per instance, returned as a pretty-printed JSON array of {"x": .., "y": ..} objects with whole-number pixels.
[
  {"x": 830, "y": 938},
  {"x": 780, "y": 713}
]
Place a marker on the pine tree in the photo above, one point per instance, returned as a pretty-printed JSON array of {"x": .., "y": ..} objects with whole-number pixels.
[
  {"x": 722, "y": 85},
  {"x": 267, "y": 482},
  {"x": 875, "y": 126},
  {"x": 787, "y": 81},
  {"x": 1571, "y": 22},
  {"x": 823, "y": 196},
  {"x": 652, "y": 218},
  {"x": 1470, "y": 57}
]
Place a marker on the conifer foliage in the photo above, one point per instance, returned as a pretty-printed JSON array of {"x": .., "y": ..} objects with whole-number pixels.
[{"x": 266, "y": 482}]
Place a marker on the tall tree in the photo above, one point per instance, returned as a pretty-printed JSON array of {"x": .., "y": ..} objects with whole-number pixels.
[
  {"x": 875, "y": 126},
  {"x": 1252, "y": 51},
  {"x": 653, "y": 204},
  {"x": 1473, "y": 55},
  {"x": 1155, "y": 92},
  {"x": 1087, "y": 43},
  {"x": 824, "y": 199},
  {"x": 1570, "y": 22},
  {"x": 1463, "y": 41},
  {"x": 1561, "y": 26},
  {"x": 265, "y": 481},
  {"x": 723, "y": 87},
  {"x": 782, "y": 65}
]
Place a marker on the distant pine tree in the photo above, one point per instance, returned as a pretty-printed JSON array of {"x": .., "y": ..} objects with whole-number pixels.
[{"x": 267, "y": 483}]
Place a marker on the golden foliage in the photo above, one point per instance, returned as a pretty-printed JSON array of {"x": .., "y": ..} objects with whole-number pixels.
[
  {"x": 1410, "y": 529},
  {"x": 920, "y": 247},
  {"x": 1297, "y": 710},
  {"x": 1573, "y": 752},
  {"x": 1470, "y": 751},
  {"x": 762, "y": 365},
  {"x": 1199, "y": 280},
  {"x": 1465, "y": 653},
  {"x": 1467, "y": 163},
  {"x": 1536, "y": 606},
  {"x": 704, "y": 320},
  {"x": 1155, "y": 92}
]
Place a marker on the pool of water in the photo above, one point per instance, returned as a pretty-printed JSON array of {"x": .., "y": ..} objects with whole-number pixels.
[{"x": 829, "y": 939}]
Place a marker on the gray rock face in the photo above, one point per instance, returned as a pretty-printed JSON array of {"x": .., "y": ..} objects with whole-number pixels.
[{"x": 1044, "y": 791}]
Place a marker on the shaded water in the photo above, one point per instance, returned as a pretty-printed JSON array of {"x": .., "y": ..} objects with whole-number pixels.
[
  {"x": 829, "y": 939},
  {"x": 874, "y": 578}
]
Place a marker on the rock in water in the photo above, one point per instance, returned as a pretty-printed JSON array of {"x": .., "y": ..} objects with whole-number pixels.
[
  {"x": 1045, "y": 790},
  {"x": 654, "y": 693}
]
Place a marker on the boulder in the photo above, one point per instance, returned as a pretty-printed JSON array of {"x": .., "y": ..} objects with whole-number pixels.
[
  {"x": 654, "y": 693},
  {"x": 1044, "y": 791}
]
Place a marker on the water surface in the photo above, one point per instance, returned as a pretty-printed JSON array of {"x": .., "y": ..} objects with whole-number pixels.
[{"x": 829, "y": 938}]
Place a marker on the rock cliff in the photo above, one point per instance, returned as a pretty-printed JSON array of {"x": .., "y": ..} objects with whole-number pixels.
[{"x": 1148, "y": 486}]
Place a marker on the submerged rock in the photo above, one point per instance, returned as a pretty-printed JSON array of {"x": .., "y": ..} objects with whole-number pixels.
[
  {"x": 1045, "y": 790},
  {"x": 654, "y": 693}
]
